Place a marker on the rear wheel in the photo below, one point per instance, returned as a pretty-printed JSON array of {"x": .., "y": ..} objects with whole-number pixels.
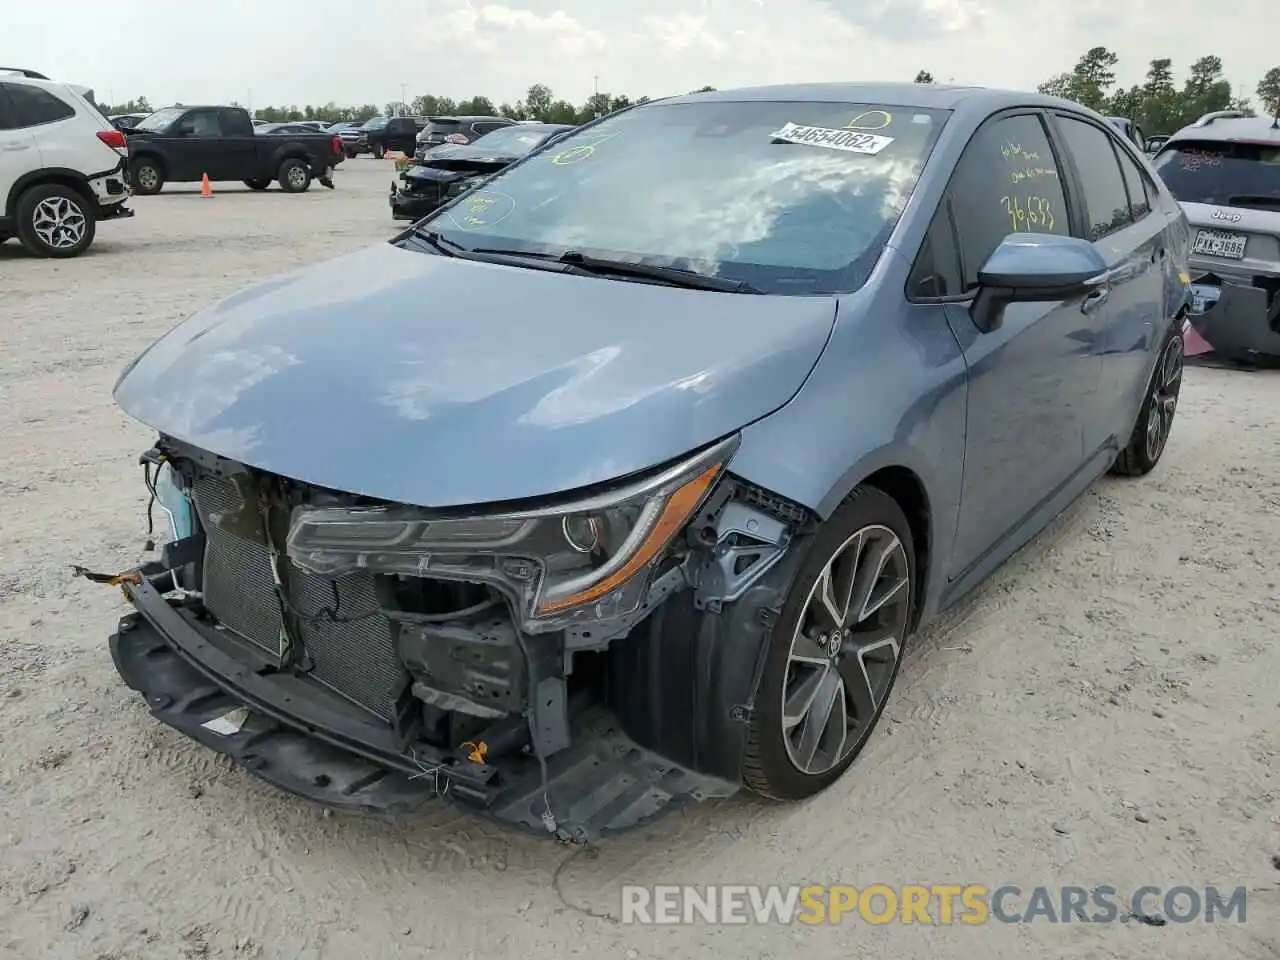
[
  {"x": 258, "y": 183},
  {"x": 378, "y": 152},
  {"x": 1155, "y": 420},
  {"x": 294, "y": 176},
  {"x": 835, "y": 651},
  {"x": 55, "y": 221},
  {"x": 147, "y": 177}
]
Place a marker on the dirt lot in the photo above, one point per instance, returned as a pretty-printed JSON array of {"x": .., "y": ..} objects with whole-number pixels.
[{"x": 1105, "y": 712}]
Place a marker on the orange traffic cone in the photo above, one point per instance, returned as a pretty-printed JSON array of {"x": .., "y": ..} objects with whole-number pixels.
[{"x": 205, "y": 189}]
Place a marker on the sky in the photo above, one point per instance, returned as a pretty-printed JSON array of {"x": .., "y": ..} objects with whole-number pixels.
[{"x": 260, "y": 52}]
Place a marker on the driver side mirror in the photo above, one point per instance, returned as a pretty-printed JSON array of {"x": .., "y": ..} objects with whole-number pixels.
[{"x": 1034, "y": 268}]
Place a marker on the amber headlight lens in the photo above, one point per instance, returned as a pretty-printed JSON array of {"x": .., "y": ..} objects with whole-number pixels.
[{"x": 586, "y": 560}]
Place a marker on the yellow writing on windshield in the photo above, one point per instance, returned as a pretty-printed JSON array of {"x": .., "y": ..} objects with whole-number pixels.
[
  {"x": 870, "y": 120},
  {"x": 1028, "y": 213}
]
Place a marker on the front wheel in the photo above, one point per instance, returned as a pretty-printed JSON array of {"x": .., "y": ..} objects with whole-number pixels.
[
  {"x": 258, "y": 183},
  {"x": 55, "y": 221},
  {"x": 1155, "y": 419},
  {"x": 835, "y": 651},
  {"x": 294, "y": 176}
]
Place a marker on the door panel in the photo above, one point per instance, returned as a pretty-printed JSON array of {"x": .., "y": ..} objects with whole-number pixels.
[
  {"x": 1031, "y": 379},
  {"x": 1119, "y": 222}
]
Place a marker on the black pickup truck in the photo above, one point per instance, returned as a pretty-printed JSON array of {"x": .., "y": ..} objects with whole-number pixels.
[{"x": 183, "y": 144}]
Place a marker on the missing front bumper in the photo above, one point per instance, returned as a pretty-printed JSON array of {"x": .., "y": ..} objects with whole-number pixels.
[{"x": 602, "y": 784}]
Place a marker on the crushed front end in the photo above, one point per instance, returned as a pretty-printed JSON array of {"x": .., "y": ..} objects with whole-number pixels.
[{"x": 571, "y": 668}]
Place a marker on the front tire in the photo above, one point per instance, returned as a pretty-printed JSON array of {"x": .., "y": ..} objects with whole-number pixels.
[
  {"x": 1155, "y": 419},
  {"x": 835, "y": 651},
  {"x": 55, "y": 221},
  {"x": 294, "y": 177}
]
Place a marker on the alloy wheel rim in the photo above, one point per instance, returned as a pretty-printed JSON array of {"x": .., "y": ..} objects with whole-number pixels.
[
  {"x": 296, "y": 176},
  {"x": 845, "y": 649},
  {"x": 59, "y": 222},
  {"x": 147, "y": 177},
  {"x": 1166, "y": 385}
]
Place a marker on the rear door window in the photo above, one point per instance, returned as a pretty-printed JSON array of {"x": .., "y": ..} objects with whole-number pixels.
[
  {"x": 1231, "y": 174},
  {"x": 1006, "y": 182},
  {"x": 1106, "y": 201},
  {"x": 1136, "y": 182},
  {"x": 34, "y": 106}
]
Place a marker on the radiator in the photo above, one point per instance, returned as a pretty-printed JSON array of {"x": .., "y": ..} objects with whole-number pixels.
[{"x": 350, "y": 645}]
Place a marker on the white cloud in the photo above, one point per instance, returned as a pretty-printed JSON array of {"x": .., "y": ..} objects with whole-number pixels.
[{"x": 299, "y": 51}]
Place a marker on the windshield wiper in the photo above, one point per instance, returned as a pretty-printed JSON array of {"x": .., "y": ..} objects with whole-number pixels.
[
  {"x": 674, "y": 276},
  {"x": 434, "y": 239}
]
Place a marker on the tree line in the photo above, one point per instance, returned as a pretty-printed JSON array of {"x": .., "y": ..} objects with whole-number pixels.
[
  {"x": 1157, "y": 105},
  {"x": 539, "y": 103}
]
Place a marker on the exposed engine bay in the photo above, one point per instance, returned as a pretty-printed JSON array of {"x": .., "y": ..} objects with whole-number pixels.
[{"x": 573, "y": 669}]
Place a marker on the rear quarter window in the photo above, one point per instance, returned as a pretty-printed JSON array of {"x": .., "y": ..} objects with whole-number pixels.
[
  {"x": 1230, "y": 174},
  {"x": 35, "y": 106}
]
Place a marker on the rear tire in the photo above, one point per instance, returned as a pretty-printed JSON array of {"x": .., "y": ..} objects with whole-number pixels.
[
  {"x": 834, "y": 654},
  {"x": 147, "y": 177},
  {"x": 258, "y": 183},
  {"x": 378, "y": 152},
  {"x": 1150, "y": 434},
  {"x": 294, "y": 177},
  {"x": 55, "y": 221}
]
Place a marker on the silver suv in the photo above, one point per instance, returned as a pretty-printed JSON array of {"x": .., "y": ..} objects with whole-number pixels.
[{"x": 1225, "y": 171}]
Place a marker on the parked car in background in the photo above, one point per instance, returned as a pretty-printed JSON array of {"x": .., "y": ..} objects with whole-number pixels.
[
  {"x": 1153, "y": 144},
  {"x": 383, "y": 135},
  {"x": 1129, "y": 130},
  {"x": 1225, "y": 170},
  {"x": 283, "y": 128},
  {"x": 451, "y": 169},
  {"x": 644, "y": 461},
  {"x": 62, "y": 165},
  {"x": 313, "y": 124},
  {"x": 456, "y": 130},
  {"x": 126, "y": 121},
  {"x": 183, "y": 144}
]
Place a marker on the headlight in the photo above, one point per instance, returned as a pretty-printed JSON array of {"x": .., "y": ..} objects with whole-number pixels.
[{"x": 586, "y": 560}]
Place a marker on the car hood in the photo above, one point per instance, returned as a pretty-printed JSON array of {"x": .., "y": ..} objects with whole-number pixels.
[{"x": 439, "y": 381}]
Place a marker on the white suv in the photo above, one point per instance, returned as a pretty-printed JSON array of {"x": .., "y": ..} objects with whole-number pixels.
[{"x": 62, "y": 165}]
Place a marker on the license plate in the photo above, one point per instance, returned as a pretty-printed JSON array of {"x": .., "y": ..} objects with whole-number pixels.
[{"x": 1215, "y": 243}]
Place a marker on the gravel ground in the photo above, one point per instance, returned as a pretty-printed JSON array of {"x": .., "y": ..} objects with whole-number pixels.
[{"x": 1104, "y": 712}]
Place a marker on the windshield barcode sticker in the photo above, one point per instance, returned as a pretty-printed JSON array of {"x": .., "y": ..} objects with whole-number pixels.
[{"x": 851, "y": 141}]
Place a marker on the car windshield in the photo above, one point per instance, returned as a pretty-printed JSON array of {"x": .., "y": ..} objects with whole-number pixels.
[
  {"x": 514, "y": 140},
  {"x": 789, "y": 197},
  {"x": 1227, "y": 173},
  {"x": 377, "y": 123},
  {"x": 160, "y": 119}
]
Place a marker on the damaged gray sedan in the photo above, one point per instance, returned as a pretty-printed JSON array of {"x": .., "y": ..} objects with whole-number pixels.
[{"x": 644, "y": 459}]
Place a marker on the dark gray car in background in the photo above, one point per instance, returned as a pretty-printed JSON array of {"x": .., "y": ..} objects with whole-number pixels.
[{"x": 644, "y": 461}]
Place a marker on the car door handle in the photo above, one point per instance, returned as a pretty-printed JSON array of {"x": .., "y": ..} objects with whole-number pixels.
[{"x": 15, "y": 146}]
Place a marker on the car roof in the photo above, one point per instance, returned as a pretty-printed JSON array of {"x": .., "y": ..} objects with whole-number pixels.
[
  {"x": 925, "y": 95},
  {"x": 1211, "y": 127}
]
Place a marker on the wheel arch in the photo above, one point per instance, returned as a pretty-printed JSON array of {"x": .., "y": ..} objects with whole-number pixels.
[
  {"x": 151, "y": 156},
  {"x": 59, "y": 175},
  {"x": 907, "y": 490}
]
